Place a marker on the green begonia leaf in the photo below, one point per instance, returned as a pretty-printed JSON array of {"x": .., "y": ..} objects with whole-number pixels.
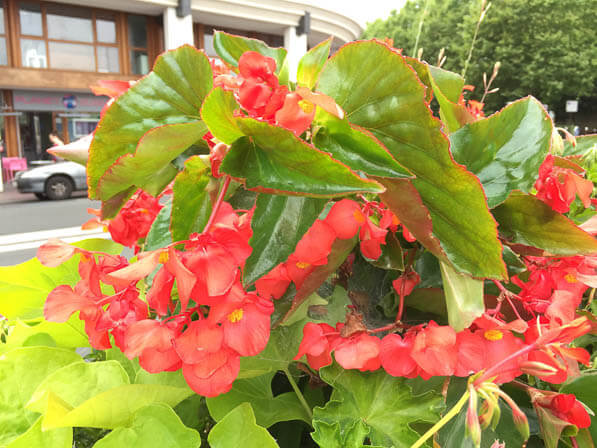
[
  {"x": 391, "y": 255},
  {"x": 356, "y": 148},
  {"x": 506, "y": 149},
  {"x": 25, "y": 287},
  {"x": 279, "y": 222},
  {"x": 372, "y": 405},
  {"x": 526, "y": 220},
  {"x": 238, "y": 428},
  {"x": 464, "y": 297},
  {"x": 230, "y": 48},
  {"x": 159, "y": 234},
  {"x": 449, "y": 83},
  {"x": 312, "y": 62},
  {"x": 273, "y": 159},
  {"x": 111, "y": 408},
  {"x": 77, "y": 382},
  {"x": 218, "y": 114},
  {"x": 150, "y": 164},
  {"x": 154, "y": 426},
  {"x": 21, "y": 370},
  {"x": 191, "y": 205},
  {"x": 172, "y": 93},
  {"x": 446, "y": 210},
  {"x": 258, "y": 392},
  {"x": 34, "y": 437}
]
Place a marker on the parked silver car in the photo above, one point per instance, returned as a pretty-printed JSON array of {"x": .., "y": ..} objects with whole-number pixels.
[{"x": 53, "y": 181}]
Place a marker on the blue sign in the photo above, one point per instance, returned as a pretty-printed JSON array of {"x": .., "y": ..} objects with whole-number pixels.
[{"x": 69, "y": 101}]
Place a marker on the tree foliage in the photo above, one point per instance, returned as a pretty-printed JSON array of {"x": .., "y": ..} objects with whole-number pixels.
[{"x": 546, "y": 47}]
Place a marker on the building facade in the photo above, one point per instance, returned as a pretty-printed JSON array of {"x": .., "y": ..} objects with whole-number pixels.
[{"x": 52, "y": 51}]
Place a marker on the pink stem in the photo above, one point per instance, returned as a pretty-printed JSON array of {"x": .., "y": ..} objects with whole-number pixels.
[{"x": 219, "y": 201}]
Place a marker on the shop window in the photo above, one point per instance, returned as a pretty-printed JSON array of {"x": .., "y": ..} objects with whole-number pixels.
[
  {"x": 66, "y": 37},
  {"x": 3, "y": 52},
  {"x": 137, "y": 31}
]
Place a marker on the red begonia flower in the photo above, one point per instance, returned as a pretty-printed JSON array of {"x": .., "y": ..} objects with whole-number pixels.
[
  {"x": 274, "y": 284},
  {"x": 199, "y": 340},
  {"x": 152, "y": 341},
  {"x": 296, "y": 114},
  {"x": 134, "y": 220},
  {"x": 405, "y": 284},
  {"x": 315, "y": 246},
  {"x": 394, "y": 354},
  {"x": 471, "y": 353},
  {"x": 316, "y": 344},
  {"x": 215, "y": 374},
  {"x": 358, "y": 351},
  {"x": 563, "y": 406},
  {"x": 346, "y": 218},
  {"x": 435, "y": 350},
  {"x": 372, "y": 237},
  {"x": 158, "y": 296}
]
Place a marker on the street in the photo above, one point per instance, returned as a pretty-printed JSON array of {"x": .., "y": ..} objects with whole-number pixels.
[{"x": 23, "y": 214}]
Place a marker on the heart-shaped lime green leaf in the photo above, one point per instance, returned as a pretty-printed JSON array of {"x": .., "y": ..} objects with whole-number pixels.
[
  {"x": 526, "y": 220},
  {"x": 371, "y": 405},
  {"x": 218, "y": 113},
  {"x": 279, "y": 222},
  {"x": 312, "y": 62},
  {"x": 273, "y": 159},
  {"x": 21, "y": 371},
  {"x": 35, "y": 437},
  {"x": 191, "y": 205},
  {"x": 172, "y": 93},
  {"x": 78, "y": 382},
  {"x": 69, "y": 334},
  {"x": 108, "y": 409},
  {"x": 159, "y": 234},
  {"x": 356, "y": 148},
  {"x": 238, "y": 429},
  {"x": 258, "y": 392},
  {"x": 464, "y": 297},
  {"x": 25, "y": 287},
  {"x": 585, "y": 144},
  {"x": 156, "y": 149},
  {"x": 154, "y": 426},
  {"x": 506, "y": 149},
  {"x": 230, "y": 48},
  {"x": 380, "y": 92}
]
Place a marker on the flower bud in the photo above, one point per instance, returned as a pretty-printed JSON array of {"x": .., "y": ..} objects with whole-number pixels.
[
  {"x": 537, "y": 368},
  {"x": 473, "y": 428}
]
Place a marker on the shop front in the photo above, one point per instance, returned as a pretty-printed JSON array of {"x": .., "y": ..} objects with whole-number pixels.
[{"x": 45, "y": 118}]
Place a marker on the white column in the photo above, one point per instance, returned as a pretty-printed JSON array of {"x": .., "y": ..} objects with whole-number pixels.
[
  {"x": 177, "y": 30},
  {"x": 296, "y": 46}
]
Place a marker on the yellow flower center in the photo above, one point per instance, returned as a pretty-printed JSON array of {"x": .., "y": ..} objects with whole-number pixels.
[
  {"x": 164, "y": 257},
  {"x": 302, "y": 264},
  {"x": 493, "y": 335},
  {"x": 236, "y": 315},
  {"x": 358, "y": 216},
  {"x": 306, "y": 106},
  {"x": 570, "y": 278}
]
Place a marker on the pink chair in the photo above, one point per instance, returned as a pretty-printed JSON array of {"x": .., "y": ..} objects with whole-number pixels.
[{"x": 11, "y": 165}]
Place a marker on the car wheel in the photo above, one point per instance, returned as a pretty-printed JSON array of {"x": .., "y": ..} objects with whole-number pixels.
[
  {"x": 59, "y": 187},
  {"x": 41, "y": 196}
]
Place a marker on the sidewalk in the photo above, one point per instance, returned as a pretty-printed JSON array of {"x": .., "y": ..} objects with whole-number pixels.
[{"x": 11, "y": 194}]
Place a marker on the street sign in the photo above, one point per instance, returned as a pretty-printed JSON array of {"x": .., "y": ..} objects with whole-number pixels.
[{"x": 572, "y": 106}]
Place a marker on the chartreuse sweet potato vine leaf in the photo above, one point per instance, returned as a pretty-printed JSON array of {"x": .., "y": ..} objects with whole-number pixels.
[
  {"x": 464, "y": 297},
  {"x": 154, "y": 426},
  {"x": 149, "y": 167},
  {"x": 218, "y": 113},
  {"x": 83, "y": 394},
  {"x": 526, "y": 220},
  {"x": 238, "y": 428},
  {"x": 35, "y": 437},
  {"x": 372, "y": 405},
  {"x": 230, "y": 48},
  {"x": 25, "y": 287},
  {"x": 446, "y": 210},
  {"x": 191, "y": 205},
  {"x": 272, "y": 159},
  {"x": 355, "y": 148},
  {"x": 258, "y": 392},
  {"x": 312, "y": 62},
  {"x": 172, "y": 93},
  {"x": 278, "y": 223},
  {"x": 21, "y": 371},
  {"x": 506, "y": 149}
]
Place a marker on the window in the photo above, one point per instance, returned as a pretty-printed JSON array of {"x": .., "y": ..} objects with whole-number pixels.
[
  {"x": 66, "y": 37},
  {"x": 137, "y": 30},
  {"x": 3, "y": 52}
]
